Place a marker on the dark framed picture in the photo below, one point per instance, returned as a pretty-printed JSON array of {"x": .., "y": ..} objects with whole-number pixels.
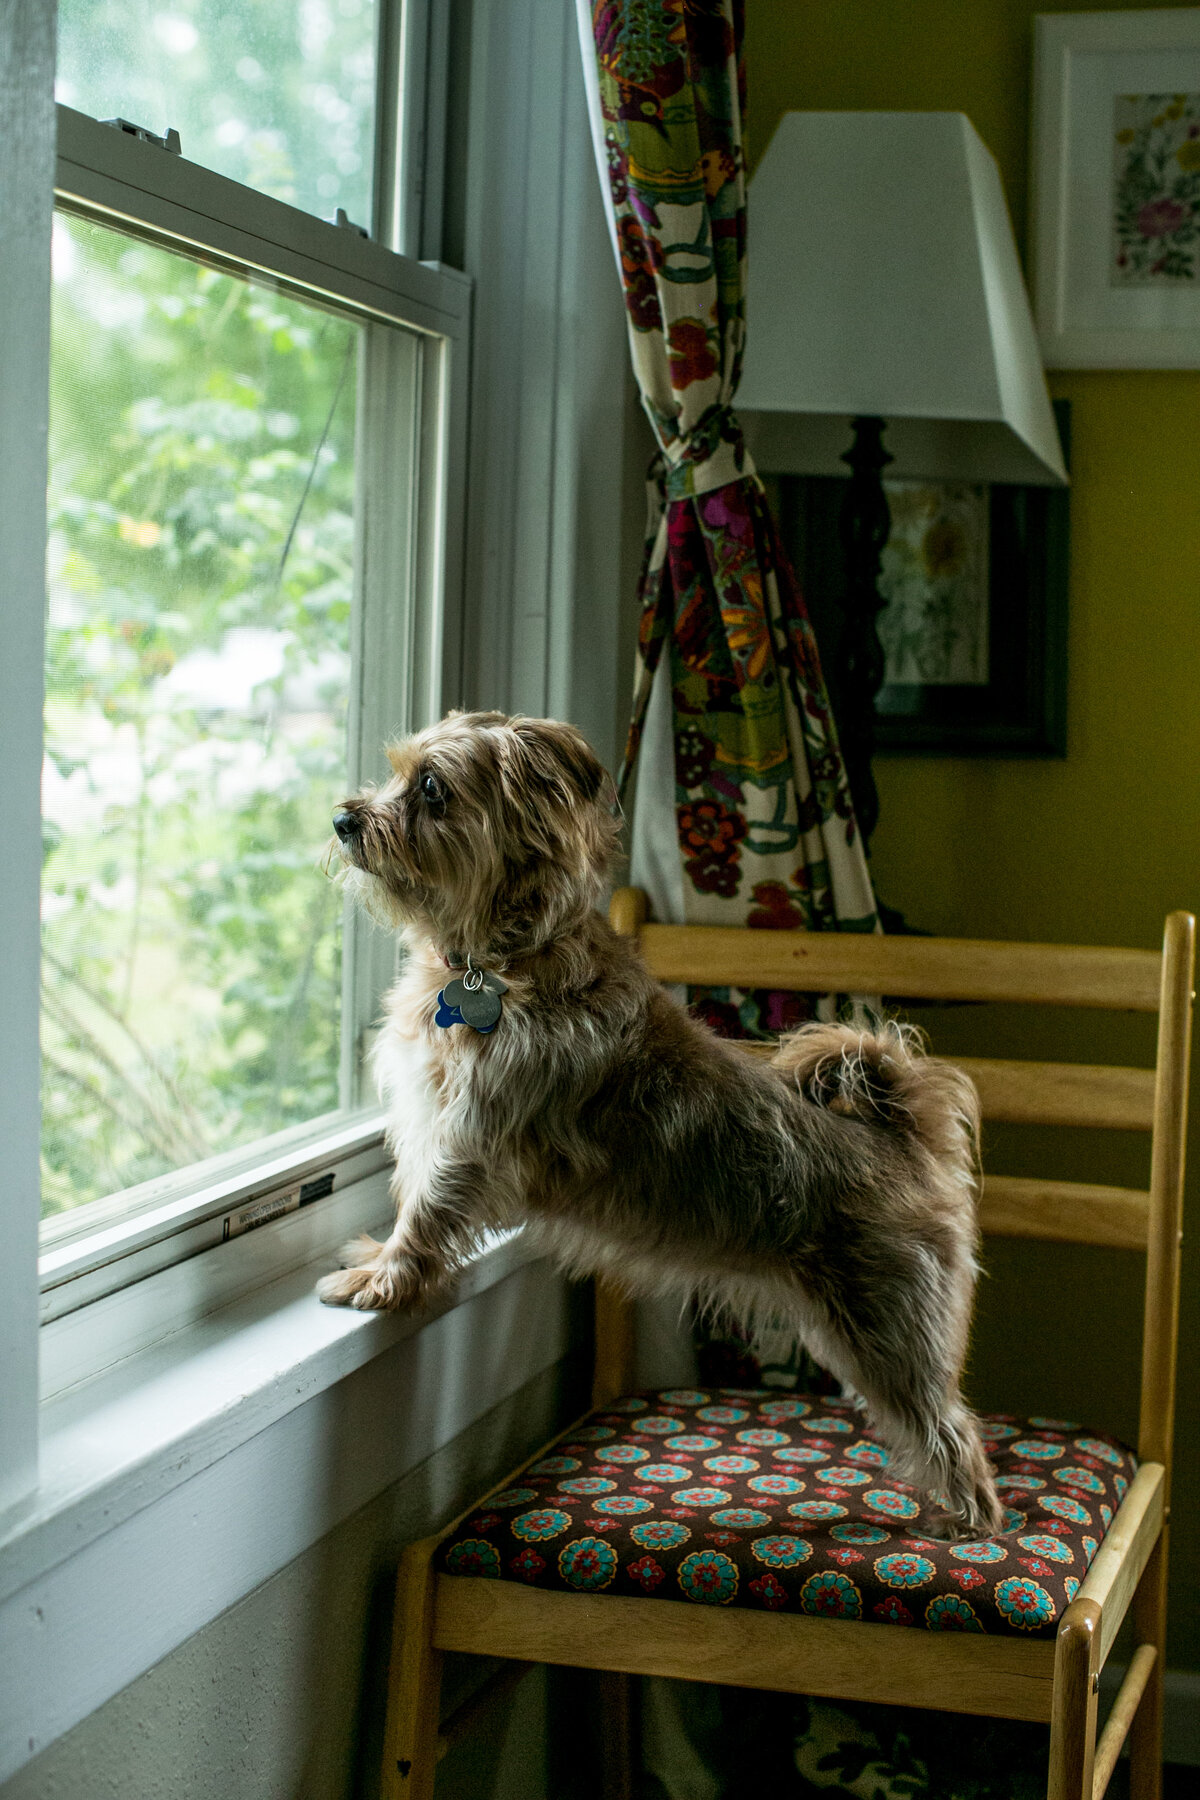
[{"x": 975, "y": 627}]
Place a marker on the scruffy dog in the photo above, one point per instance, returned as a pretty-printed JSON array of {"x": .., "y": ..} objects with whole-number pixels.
[{"x": 533, "y": 1071}]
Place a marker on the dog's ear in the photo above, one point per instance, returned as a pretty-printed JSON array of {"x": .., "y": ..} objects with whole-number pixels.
[{"x": 561, "y": 758}]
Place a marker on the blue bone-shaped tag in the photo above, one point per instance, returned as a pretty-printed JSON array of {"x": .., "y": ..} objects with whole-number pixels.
[{"x": 473, "y": 1000}]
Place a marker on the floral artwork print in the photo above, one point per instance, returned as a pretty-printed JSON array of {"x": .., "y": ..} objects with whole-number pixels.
[
  {"x": 1156, "y": 190},
  {"x": 934, "y": 577},
  {"x": 803, "y": 1536},
  {"x": 765, "y": 827}
]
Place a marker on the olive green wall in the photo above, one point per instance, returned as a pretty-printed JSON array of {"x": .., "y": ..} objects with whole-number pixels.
[{"x": 1093, "y": 848}]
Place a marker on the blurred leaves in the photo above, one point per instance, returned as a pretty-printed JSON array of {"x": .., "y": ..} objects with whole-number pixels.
[
  {"x": 279, "y": 96},
  {"x": 197, "y": 684}
]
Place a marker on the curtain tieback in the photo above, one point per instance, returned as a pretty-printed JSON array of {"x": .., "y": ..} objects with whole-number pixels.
[{"x": 709, "y": 456}]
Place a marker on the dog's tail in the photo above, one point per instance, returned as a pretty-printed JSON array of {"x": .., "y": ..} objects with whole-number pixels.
[{"x": 880, "y": 1073}]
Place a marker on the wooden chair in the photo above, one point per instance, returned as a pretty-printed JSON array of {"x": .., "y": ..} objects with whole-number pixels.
[{"x": 1054, "y": 1680}]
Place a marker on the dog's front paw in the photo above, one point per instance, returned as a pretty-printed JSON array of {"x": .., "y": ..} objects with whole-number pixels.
[
  {"x": 358, "y": 1259},
  {"x": 342, "y": 1287},
  {"x": 374, "y": 1282}
]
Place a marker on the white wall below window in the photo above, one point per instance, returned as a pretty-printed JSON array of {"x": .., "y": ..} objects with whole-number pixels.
[
  {"x": 190, "y": 1493},
  {"x": 281, "y": 1696}
]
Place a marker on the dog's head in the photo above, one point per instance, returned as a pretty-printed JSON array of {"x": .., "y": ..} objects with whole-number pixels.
[{"x": 494, "y": 834}]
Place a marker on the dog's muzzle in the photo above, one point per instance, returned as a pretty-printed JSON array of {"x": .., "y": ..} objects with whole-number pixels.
[{"x": 347, "y": 825}]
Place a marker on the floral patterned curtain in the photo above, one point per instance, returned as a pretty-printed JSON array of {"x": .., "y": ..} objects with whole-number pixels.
[{"x": 762, "y": 814}]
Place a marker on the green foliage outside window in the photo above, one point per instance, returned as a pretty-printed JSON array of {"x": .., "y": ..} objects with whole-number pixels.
[
  {"x": 200, "y": 576},
  {"x": 279, "y": 94}
]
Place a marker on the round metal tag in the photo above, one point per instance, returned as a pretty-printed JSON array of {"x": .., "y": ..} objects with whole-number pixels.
[{"x": 480, "y": 1009}]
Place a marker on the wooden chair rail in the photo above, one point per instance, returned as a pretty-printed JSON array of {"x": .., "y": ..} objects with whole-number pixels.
[
  {"x": 612, "y": 1367},
  {"x": 1073, "y": 1715},
  {"x": 1044, "y": 1093},
  {"x": 1064, "y": 1212},
  {"x": 1160, "y": 1344},
  {"x": 463, "y": 1720},
  {"x": 410, "y": 1736},
  {"x": 916, "y": 968},
  {"x": 1114, "y": 1575},
  {"x": 1116, "y": 1728},
  {"x": 998, "y": 1677}
]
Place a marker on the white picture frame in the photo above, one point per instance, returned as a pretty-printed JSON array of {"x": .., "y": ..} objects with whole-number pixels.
[{"x": 1116, "y": 259}]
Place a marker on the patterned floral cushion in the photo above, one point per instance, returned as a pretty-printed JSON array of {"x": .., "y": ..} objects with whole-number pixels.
[{"x": 746, "y": 1497}]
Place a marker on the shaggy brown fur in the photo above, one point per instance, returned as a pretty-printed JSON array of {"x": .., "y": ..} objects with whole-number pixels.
[{"x": 833, "y": 1188}]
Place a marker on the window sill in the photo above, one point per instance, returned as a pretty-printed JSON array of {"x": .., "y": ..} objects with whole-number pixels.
[
  {"x": 113, "y": 1445},
  {"x": 171, "y": 1286},
  {"x": 177, "y": 1480}
]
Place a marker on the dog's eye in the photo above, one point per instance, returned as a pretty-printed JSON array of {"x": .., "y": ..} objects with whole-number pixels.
[{"x": 433, "y": 793}]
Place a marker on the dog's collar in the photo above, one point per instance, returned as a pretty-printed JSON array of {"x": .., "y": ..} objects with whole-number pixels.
[{"x": 473, "y": 998}]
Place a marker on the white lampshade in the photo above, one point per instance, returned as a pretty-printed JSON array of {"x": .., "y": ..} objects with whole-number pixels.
[{"x": 883, "y": 278}]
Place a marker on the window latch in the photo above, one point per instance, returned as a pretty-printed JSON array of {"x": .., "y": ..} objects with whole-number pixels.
[
  {"x": 339, "y": 218},
  {"x": 170, "y": 142}
]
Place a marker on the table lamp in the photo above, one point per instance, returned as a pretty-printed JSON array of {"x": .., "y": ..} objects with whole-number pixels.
[{"x": 885, "y": 292}]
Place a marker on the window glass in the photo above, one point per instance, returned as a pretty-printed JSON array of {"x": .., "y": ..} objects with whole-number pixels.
[
  {"x": 279, "y": 94},
  {"x": 200, "y": 572}
]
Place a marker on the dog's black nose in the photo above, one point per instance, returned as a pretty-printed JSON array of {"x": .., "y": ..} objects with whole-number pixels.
[{"x": 346, "y": 824}]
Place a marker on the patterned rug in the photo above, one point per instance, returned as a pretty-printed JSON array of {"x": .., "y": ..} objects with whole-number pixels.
[{"x": 894, "y": 1753}]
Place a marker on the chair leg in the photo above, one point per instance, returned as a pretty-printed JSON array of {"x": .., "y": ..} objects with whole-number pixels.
[
  {"x": 618, "y": 1725},
  {"x": 410, "y": 1734},
  {"x": 1073, "y": 1714},
  {"x": 1150, "y": 1627}
]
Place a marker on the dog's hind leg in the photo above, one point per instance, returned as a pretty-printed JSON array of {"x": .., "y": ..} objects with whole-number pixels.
[
  {"x": 914, "y": 1403},
  {"x": 939, "y": 1448}
]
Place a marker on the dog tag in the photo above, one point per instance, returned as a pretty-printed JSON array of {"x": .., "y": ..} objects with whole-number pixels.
[
  {"x": 472, "y": 999},
  {"x": 445, "y": 1015},
  {"x": 481, "y": 1009}
]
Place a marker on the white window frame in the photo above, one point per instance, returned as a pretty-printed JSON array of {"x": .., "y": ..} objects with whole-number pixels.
[
  {"x": 27, "y": 107},
  {"x": 303, "y": 1190}
]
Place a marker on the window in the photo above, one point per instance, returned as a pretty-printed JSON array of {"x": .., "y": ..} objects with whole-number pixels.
[
  {"x": 255, "y": 446},
  {"x": 200, "y": 574},
  {"x": 278, "y": 94}
]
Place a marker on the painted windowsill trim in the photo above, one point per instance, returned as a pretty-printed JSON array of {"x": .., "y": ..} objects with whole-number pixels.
[
  {"x": 116, "y": 1444},
  {"x": 187, "y": 1476}
]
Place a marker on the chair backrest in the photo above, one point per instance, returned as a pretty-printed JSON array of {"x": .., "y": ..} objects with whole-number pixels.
[{"x": 920, "y": 968}]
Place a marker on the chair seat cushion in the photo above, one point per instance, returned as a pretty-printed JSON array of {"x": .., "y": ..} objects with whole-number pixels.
[{"x": 748, "y": 1497}]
